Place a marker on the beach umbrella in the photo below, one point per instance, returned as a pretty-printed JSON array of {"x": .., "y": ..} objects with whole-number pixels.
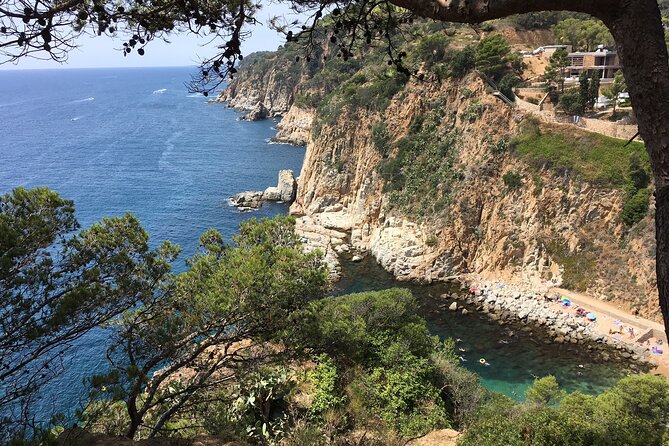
[
  {"x": 566, "y": 300},
  {"x": 591, "y": 316}
]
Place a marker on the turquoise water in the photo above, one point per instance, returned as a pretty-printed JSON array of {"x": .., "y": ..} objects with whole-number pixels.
[
  {"x": 117, "y": 140},
  {"x": 515, "y": 356}
]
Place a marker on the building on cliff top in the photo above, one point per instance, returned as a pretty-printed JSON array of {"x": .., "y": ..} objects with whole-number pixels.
[{"x": 603, "y": 60}]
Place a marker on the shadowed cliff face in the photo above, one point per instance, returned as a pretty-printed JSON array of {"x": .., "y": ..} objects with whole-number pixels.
[{"x": 433, "y": 187}]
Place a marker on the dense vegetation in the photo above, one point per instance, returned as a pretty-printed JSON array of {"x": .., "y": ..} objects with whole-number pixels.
[
  {"x": 245, "y": 346},
  {"x": 591, "y": 157}
]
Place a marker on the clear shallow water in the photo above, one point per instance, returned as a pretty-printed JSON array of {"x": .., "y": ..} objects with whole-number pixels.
[
  {"x": 514, "y": 364},
  {"x": 117, "y": 140}
]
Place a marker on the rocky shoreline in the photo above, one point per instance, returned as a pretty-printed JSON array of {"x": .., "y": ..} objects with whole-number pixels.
[
  {"x": 507, "y": 304},
  {"x": 401, "y": 248}
]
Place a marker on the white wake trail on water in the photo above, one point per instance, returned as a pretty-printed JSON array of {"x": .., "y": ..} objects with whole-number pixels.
[
  {"x": 83, "y": 100},
  {"x": 163, "y": 162},
  {"x": 160, "y": 91}
]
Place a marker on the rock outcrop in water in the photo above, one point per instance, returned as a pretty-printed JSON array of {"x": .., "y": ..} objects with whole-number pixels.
[
  {"x": 468, "y": 202},
  {"x": 285, "y": 192}
]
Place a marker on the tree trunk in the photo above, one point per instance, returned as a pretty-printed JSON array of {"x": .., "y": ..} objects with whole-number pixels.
[{"x": 637, "y": 29}]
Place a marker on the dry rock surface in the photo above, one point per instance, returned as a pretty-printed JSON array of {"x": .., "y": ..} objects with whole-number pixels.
[{"x": 284, "y": 191}]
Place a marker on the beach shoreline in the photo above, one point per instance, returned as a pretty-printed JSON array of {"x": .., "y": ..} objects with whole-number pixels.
[{"x": 554, "y": 310}]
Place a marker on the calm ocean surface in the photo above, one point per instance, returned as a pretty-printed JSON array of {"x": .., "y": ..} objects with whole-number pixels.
[{"x": 134, "y": 140}]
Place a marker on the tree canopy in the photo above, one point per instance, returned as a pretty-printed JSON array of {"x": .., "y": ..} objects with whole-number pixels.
[{"x": 56, "y": 284}]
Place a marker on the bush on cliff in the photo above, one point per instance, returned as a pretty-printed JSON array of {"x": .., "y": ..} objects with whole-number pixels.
[{"x": 634, "y": 412}]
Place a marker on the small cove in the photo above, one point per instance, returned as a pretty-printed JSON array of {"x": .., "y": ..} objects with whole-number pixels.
[
  {"x": 515, "y": 356},
  {"x": 133, "y": 140}
]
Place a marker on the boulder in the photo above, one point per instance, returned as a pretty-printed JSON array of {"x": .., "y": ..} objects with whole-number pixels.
[
  {"x": 257, "y": 113},
  {"x": 272, "y": 193},
  {"x": 453, "y": 306},
  {"x": 287, "y": 186},
  {"x": 247, "y": 200}
]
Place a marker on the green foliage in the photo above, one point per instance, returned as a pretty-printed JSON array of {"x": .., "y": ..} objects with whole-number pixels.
[
  {"x": 325, "y": 381},
  {"x": 430, "y": 49},
  {"x": 613, "y": 90},
  {"x": 492, "y": 55},
  {"x": 370, "y": 92},
  {"x": 230, "y": 294},
  {"x": 541, "y": 20},
  {"x": 500, "y": 146},
  {"x": 634, "y": 412},
  {"x": 571, "y": 102},
  {"x": 381, "y": 138},
  {"x": 422, "y": 164},
  {"x": 583, "y": 35},
  {"x": 592, "y": 157},
  {"x": 386, "y": 358},
  {"x": 473, "y": 111},
  {"x": 405, "y": 398},
  {"x": 512, "y": 180},
  {"x": 545, "y": 392},
  {"x": 637, "y": 196},
  {"x": 461, "y": 387},
  {"x": 635, "y": 206},
  {"x": 557, "y": 70},
  {"x": 593, "y": 90},
  {"x": 356, "y": 326},
  {"x": 57, "y": 284},
  {"x": 507, "y": 84},
  {"x": 461, "y": 62},
  {"x": 260, "y": 403}
]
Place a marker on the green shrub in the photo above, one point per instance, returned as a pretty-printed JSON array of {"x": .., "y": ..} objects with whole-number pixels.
[
  {"x": 461, "y": 62},
  {"x": 591, "y": 157},
  {"x": 499, "y": 147},
  {"x": 570, "y": 102},
  {"x": 473, "y": 111},
  {"x": 512, "y": 180},
  {"x": 507, "y": 84},
  {"x": 324, "y": 378},
  {"x": 635, "y": 206},
  {"x": 432, "y": 241},
  {"x": 381, "y": 138},
  {"x": 634, "y": 412}
]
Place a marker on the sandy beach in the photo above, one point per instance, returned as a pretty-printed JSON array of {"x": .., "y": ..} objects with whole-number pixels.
[{"x": 615, "y": 323}]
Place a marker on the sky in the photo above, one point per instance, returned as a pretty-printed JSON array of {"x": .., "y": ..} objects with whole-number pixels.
[{"x": 183, "y": 50}]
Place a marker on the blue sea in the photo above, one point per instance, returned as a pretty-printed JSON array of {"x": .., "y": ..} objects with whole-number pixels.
[{"x": 134, "y": 140}]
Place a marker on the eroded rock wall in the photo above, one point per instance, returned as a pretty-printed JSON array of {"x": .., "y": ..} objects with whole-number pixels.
[{"x": 551, "y": 227}]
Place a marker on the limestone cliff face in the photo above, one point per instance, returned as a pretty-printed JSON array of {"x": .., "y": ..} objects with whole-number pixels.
[
  {"x": 545, "y": 227},
  {"x": 295, "y": 126}
]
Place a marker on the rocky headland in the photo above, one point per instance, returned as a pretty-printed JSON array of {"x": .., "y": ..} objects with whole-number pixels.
[{"x": 478, "y": 198}]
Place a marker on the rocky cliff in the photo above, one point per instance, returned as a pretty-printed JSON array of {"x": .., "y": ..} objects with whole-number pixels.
[{"x": 436, "y": 178}]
